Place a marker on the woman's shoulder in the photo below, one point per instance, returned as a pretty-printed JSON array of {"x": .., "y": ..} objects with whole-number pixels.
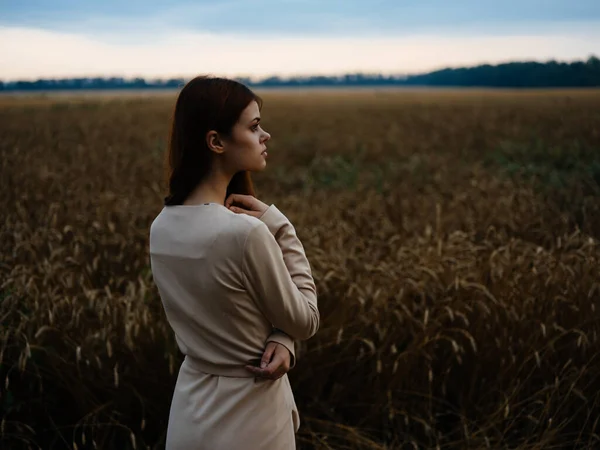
[
  {"x": 270, "y": 220},
  {"x": 213, "y": 223},
  {"x": 242, "y": 224}
]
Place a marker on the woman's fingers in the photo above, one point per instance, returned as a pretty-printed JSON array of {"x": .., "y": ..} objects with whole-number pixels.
[
  {"x": 268, "y": 354},
  {"x": 237, "y": 210},
  {"x": 274, "y": 370},
  {"x": 255, "y": 370},
  {"x": 267, "y": 372},
  {"x": 247, "y": 202},
  {"x": 274, "y": 363},
  {"x": 229, "y": 200},
  {"x": 241, "y": 199},
  {"x": 276, "y": 367}
]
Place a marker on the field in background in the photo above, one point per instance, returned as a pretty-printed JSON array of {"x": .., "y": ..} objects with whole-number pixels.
[{"x": 453, "y": 236}]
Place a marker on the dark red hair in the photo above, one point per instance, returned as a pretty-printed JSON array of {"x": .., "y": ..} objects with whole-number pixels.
[{"x": 204, "y": 104}]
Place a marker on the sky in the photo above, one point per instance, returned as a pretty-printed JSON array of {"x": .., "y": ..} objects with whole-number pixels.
[{"x": 165, "y": 39}]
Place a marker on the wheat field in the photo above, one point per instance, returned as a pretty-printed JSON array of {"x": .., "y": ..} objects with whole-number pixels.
[{"x": 453, "y": 236}]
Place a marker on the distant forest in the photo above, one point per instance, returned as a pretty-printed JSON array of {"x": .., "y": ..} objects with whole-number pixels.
[{"x": 510, "y": 75}]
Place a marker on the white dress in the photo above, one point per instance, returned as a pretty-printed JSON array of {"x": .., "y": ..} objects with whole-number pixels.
[{"x": 228, "y": 282}]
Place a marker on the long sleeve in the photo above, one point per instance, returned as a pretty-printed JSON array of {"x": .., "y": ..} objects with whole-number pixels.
[
  {"x": 278, "y": 276},
  {"x": 278, "y": 335},
  {"x": 281, "y": 338}
]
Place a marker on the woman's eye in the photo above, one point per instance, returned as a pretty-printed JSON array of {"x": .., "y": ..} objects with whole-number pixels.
[{"x": 254, "y": 127}]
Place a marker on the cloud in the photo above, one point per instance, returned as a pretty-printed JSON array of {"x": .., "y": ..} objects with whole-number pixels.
[
  {"x": 292, "y": 17},
  {"x": 29, "y": 53}
]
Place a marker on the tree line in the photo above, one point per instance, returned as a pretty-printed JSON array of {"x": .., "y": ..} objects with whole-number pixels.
[{"x": 528, "y": 74}]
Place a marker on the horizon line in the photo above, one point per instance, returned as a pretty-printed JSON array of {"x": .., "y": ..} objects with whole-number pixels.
[{"x": 262, "y": 78}]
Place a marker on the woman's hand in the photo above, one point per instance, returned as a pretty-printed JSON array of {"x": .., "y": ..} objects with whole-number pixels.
[
  {"x": 248, "y": 205},
  {"x": 273, "y": 368}
]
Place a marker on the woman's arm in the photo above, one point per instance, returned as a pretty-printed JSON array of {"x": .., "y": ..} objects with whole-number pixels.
[{"x": 278, "y": 276}]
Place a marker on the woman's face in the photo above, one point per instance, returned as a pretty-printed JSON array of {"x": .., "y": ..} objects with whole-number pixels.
[{"x": 245, "y": 147}]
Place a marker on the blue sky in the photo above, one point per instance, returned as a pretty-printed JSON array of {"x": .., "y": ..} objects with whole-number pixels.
[{"x": 286, "y": 37}]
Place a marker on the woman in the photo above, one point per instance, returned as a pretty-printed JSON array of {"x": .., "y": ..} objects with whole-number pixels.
[{"x": 232, "y": 276}]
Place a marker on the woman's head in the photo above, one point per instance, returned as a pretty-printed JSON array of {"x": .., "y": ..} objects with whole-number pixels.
[{"x": 215, "y": 127}]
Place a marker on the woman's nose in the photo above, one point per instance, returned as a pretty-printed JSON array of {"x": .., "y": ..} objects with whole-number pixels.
[{"x": 266, "y": 137}]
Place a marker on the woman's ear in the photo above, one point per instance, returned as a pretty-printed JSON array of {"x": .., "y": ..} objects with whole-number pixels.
[{"x": 214, "y": 142}]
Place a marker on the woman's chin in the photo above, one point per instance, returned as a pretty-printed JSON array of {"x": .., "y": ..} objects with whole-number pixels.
[{"x": 259, "y": 167}]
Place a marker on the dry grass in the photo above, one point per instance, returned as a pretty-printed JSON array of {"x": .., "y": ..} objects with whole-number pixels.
[{"x": 453, "y": 237}]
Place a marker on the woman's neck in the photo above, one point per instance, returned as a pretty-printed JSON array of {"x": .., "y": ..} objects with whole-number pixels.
[{"x": 212, "y": 189}]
